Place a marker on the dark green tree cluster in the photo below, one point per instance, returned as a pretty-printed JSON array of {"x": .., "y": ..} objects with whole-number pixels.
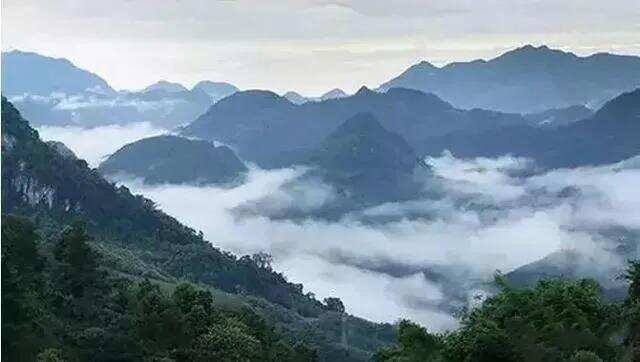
[
  {"x": 557, "y": 320},
  {"x": 58, "y": 304}
]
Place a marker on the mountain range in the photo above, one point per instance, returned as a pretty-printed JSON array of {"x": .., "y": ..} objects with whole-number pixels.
[
  {"x": 52, "y": 91},
  {"x": 271, "y": 131},
  {"x": 609, "y": 135},
  {"x": 525, "y": 80}
]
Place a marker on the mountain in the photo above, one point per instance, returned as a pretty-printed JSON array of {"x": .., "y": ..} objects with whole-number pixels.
[
  {"x": 175, "y": 160},
  {"x": 559, "y": 116},
  {"x": 55, "y": 92},
  {"x": 137, "y": 241},
  {"x": 215, "y": 90},
  {"x": 333, "y": 94},
  {"x": 271, "y": 131},
  {"x": 35, "y": 74},
  {"x": 610, "y": 135},
  {"x": 365, "y": 162},
  {"x": 165, "y": 86},
  {"x": 295, "y": 98},
  {"x": 525, "y": 80}
]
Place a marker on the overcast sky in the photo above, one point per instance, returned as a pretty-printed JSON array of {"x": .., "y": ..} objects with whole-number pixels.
[{"x": 306, "y": 45}]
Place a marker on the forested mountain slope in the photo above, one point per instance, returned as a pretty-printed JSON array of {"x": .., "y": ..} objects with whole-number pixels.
[{"x": 137, "y": 240}]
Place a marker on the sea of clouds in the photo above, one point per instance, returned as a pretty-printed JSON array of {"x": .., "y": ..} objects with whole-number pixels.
[{"x": 428, "y": 257}]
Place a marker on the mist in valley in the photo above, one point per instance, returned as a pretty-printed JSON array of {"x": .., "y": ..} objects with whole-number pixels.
[{"x": 427, "y": 259}]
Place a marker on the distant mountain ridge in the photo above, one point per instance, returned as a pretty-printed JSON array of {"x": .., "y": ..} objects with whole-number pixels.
[
  {"x": 559, "y": 116},
  {"x": 32, "y": 73},
  {"x": 51, "y": 91},
  {"x": 297, "y": 98},
  {"x": 165, "y": 86},
  {"x": 270, "y": 130},
  {"x": 215, "y": 90},
  {"x": 610, "y": 135},
  {"x": 525, "y": 80}
]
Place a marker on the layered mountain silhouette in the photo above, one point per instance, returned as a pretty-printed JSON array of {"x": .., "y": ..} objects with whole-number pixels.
[
  {"x": 527, "y": 79},
  {"x": 271, "y": 131},
  {"x": 609, "y": 136},
  {"x": 56, "y": 92},
  {"x": 175, "y": 160}
]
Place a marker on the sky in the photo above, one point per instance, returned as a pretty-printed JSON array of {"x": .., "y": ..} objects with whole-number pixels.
[{"x": 309, "y": 46}]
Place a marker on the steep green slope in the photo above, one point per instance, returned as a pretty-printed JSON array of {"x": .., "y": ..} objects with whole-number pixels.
[
  {"x": 60, "y": 303},
  {"x": 137, "y": 240}
]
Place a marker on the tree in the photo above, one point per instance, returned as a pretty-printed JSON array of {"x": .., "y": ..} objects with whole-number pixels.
[
  {"x": 50, "y": 355},
  {"x": 78, "y": 270},
  {"x": 334, "y": 304},
  {"x": 414, "y": 344},
  {"x": 228, "y": 341},
  {"x": 557, "y": 320},
  {"x": 632, "y": 275},
  {"x": 22, "y": 288},
  {"x": 263, "y": 260}
]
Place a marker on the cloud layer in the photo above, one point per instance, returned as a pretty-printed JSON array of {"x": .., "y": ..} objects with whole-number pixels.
[{"x": 422, "y": 259}]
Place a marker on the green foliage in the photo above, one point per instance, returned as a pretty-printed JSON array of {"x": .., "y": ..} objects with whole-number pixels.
[
  {"x": 557, "y": 320},
  {"x": 78, "y": 263},
  {"x": 632, "y": 275},
  {"x": 22, "y": 278},
  {"x": 50, "y": 355},
  {"x": 334, "y": 304},
  {"x": 632, "y": 303},
  {"x": 585, "y": 356},
  {"x": 414, "y": 344},
  {"x": 67, "y": 309}
]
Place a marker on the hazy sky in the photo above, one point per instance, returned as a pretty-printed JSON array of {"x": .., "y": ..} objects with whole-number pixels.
[{"x": 306, "y": 45}]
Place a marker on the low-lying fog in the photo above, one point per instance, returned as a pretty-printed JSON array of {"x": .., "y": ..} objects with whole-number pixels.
[{"x": 429, "y": 257}]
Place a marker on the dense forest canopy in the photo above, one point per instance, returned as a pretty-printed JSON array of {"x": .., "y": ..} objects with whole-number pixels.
[{"x": 557, "y": 320}]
